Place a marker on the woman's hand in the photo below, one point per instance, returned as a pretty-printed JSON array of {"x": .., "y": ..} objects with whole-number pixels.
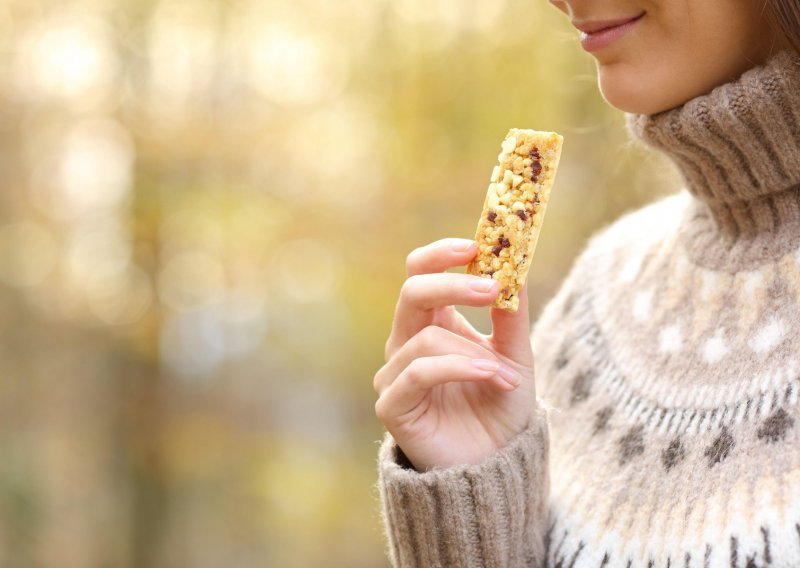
[{"x": 447, "y": 393}]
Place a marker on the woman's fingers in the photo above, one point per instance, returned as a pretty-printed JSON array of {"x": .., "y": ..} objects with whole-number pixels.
[
  {"x": 440, "y": 255},
  {"x": 423, "y": 293},
  {"x": 417, "y": 306},
  {"x": 431, "y": 341},
  {"x": 511, "y": 331},
  {"x": 405, "y": 396}
]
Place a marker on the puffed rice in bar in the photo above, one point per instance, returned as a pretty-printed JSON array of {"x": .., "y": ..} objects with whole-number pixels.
[{"x": 513, "y": 211}]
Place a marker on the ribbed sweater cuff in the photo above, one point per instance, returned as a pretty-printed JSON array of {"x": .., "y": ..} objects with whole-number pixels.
[{"x": 489, "y": 514}]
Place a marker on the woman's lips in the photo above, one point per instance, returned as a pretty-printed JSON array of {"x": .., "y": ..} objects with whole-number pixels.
[{"x": 600, "y": 34}]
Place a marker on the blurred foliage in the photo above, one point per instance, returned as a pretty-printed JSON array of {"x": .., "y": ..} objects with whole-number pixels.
[{"x": 204, "y": 215}]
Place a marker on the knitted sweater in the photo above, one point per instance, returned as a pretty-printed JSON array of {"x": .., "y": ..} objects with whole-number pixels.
[{"x": 667, "y": 369}]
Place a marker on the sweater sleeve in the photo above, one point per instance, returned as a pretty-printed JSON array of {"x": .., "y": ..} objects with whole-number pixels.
[{"x": 490, "y": 514}]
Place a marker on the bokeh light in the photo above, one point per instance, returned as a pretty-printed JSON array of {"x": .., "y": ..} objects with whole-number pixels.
[
  {"x": 204, "y": 215},
  {"x": 294, "y": 68},
  {"x": 70, "y": 57},
  {"x": 193, "y": 342},
  {"x": 181, "y": 42},
  {"x": 89, "y": 172}
]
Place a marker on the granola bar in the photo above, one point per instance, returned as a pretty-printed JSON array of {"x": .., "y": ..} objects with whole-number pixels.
[{"x": 513, "y": 211}]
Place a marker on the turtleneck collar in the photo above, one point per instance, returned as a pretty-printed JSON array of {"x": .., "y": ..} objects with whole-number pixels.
[{"x": 738, "y": 150}]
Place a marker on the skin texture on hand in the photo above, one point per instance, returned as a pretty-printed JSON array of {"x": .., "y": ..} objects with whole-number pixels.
[
  {"x": 448, "y": 394},
  {"x": 678, "y": 50}
]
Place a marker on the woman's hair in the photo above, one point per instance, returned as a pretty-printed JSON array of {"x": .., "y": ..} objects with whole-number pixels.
[{"x": 784, "y": 16}]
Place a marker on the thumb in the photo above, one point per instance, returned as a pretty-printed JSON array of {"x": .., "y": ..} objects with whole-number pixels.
[{"x": 511, "y": 331}]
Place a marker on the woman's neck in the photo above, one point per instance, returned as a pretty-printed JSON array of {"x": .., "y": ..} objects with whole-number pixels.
[{"x": 738, "y": 152}]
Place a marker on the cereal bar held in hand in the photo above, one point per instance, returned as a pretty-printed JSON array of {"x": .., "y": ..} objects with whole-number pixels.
[{"x": 514, "y": 210}]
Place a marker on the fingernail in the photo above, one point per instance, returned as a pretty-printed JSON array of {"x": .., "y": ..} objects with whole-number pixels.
[
  {"x": 463, "y": 246},
  {"x": 483, "y": 285},
  {"x": 486, "y": 365},
  {"x": 509, "y": 375}
]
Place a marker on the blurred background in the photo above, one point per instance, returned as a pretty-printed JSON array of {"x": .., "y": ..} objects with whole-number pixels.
[{"x": 205, "y": 208}]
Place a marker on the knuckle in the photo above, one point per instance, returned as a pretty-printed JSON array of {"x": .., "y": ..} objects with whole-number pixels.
[
  {"x": 380, "y": 409},
  {"x": 412, "y": 260},
  {"x": 408, "y": 290},
  {"x": 381, "y": 379},
  {"x": 414, "y": 373},
  {"x": 428, "y": 338}
]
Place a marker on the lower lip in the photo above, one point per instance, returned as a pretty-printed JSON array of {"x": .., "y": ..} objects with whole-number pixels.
[{"x": 596, "y": 41}]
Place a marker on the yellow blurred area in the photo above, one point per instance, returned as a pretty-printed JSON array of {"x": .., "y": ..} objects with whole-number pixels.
[{"x": 205, "y": 208}]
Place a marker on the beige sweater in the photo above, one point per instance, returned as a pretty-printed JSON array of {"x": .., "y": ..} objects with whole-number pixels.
[{"x": 669, "y": 365}]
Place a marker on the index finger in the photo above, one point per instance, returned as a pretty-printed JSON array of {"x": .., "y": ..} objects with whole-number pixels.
[
  {"x": 423, "y": 294},
  {"x": 440, "y": 255}
]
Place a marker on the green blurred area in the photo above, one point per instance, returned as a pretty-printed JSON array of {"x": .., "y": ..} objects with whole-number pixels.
[{"x": 205, "y": 209}]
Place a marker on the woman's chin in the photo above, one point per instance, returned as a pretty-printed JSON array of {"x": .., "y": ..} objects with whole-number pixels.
[
  {"x": 637, "y": 93},
  {"x": 633, "y": 105},
  {"x": 656, "y": 87}
]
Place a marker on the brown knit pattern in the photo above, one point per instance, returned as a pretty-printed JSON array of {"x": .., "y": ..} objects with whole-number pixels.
[{"x": 669, "y": 365}]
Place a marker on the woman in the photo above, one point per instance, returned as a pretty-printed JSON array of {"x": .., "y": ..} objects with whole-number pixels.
[{"x": 669, "y": 358}]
